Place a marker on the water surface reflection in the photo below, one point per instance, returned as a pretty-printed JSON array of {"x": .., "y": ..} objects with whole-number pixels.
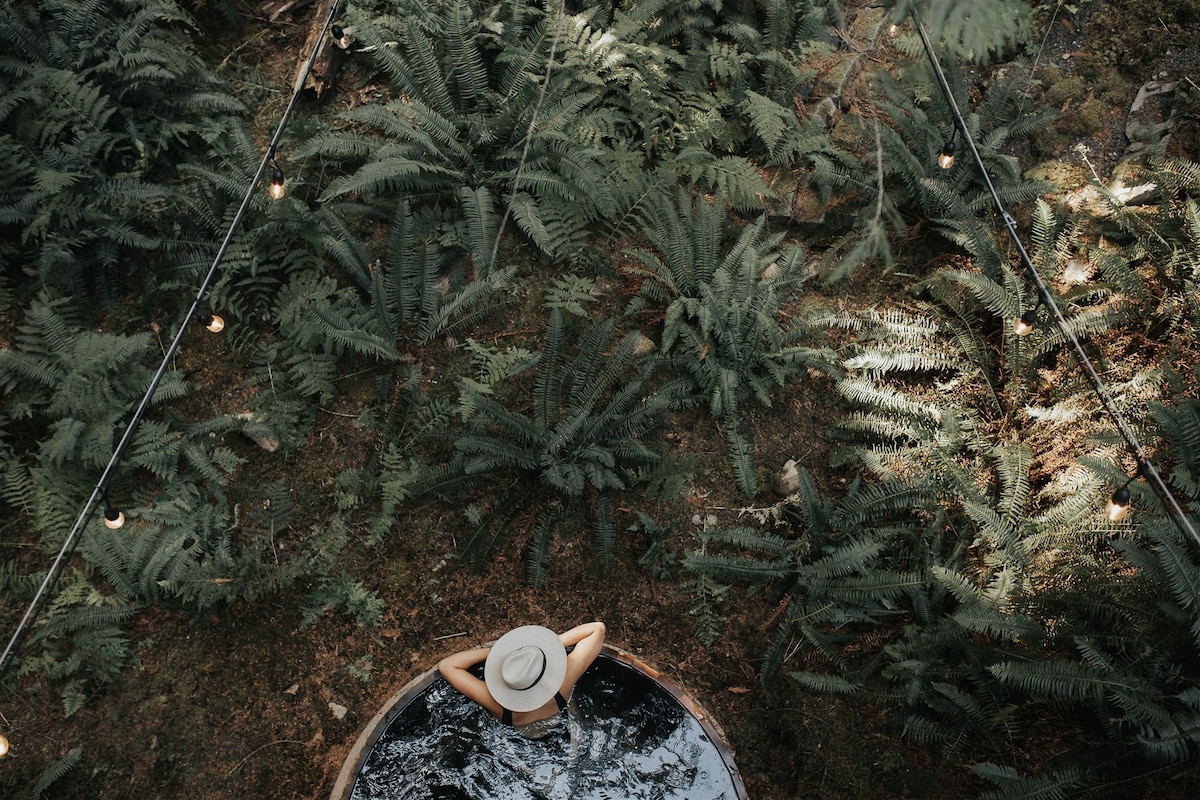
[{"x": 627, "y": 737}]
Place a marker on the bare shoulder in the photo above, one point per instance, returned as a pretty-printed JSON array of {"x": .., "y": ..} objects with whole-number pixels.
[
  {"x": 588, "y": 640},
  {"x": 455, "y": 668}
]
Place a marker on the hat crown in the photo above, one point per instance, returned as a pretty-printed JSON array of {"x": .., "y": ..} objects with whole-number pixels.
[{"x": 524, "y": 667}]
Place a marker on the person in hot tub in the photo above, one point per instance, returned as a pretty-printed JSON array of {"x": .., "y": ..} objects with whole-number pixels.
[{"x": 528, "y": 674}]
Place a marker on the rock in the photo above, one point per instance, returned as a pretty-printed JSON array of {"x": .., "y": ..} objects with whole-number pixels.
[
  {"x": 259, "y": 432},
  {"x": 1150, "y": 123},
  {"x": 788, "y": 482},
  {"x": 1139, "y": 195},
  {"x": 644, "y": 346},
  {"x": 338, "y": 710}
]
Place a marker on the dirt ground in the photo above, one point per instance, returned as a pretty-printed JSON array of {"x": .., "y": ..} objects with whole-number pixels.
[{"x": 242, "y": 703}]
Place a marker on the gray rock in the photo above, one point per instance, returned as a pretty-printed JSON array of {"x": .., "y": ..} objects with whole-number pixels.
[
  {"x": 259, "y": 432},
  {"x": 788, "y": 481},
  {"x": 644, "y": 346}
]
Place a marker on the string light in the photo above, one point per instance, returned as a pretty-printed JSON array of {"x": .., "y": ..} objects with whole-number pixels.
[
  {"x": 1028, "y": 321},
  {"x": 340, "y": 37},
  {"x": 277, "y": 187},
  {"x": 213, "y": 322},
  {"x": 3, "y": 745},
  {"x": 946, "y": 156},
  {"x": 1118, "y": 504},
  {"x": 1146, "y": 468},
  {"x": 1025, "y": 323},
  {"x": 99, "y": 492},
  {"x": 113, "y": 517}
]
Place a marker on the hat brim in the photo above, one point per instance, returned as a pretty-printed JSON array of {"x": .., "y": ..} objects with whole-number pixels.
[{"x": 540, "y": 693}]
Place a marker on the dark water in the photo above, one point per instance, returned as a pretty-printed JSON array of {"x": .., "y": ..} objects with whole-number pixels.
[{"x": 629, "y": 739}]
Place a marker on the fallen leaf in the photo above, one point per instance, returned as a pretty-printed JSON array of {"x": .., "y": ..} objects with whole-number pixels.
[{"x": 738, "y": 689}]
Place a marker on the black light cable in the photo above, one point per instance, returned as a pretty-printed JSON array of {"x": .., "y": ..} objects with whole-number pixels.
[
  {"x": 1146, "y": 467},
  {"x": 212, "y": 322}
]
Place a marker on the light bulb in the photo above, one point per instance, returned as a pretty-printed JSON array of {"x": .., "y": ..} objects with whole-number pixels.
[
  {"x": 339, "y": 36},
  {"x": 113, "y": 518},
  {"x": 213, "y": 322},
  {"x": 277, "y": 189},
  {"x": 3, "y": 745},
  {"x": 1027, "y": 322},
  {"x": 1118, "y": 504},
  {"x": 946, "y": 157}
]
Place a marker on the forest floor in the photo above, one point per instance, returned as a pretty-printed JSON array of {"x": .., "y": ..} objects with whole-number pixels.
[{"x": 242, "y": 703}]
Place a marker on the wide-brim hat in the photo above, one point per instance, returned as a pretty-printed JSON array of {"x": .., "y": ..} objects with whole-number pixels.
[{"x": 525, "y": 667}]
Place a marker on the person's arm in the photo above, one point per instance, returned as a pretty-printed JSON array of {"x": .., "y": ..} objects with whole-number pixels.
[
  {"x": 588, "y": 639},
  {"x": 454, "y": 668}
]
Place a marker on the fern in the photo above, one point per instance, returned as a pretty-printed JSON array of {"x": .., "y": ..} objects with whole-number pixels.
[
  {"x": 459, "y": 130},
  {"x": 720, "y": 327},
  {"x": 108, "y": 98},
  {"x": 975, "y": 28},
  {"x": 1165, "y": 240},
  {"x": 896, "y": 177},
  {"x": 705, "y": 610},
  {"x": 1050, "y": 785},
  {"x": 347, "y": 595},
  {"x": 582, "y": 440},
  {"x": 56, "y": 771}
]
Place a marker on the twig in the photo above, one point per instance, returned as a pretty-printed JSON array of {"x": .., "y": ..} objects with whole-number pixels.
[
  {"x": 537, "y": 107},
  {"x": 264, "y": 747},
  {"x": 338, "y": 413},
  {"x": 286, "y": 7},
  {"x": 449, "y": 636},
  {"x": 835, "y": 98}
]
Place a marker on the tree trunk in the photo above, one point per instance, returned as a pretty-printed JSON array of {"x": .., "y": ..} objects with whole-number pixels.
[{"x": 323, "y": 75}]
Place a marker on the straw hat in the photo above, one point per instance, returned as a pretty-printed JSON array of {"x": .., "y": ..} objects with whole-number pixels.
[{"x": 525, "y": 668}]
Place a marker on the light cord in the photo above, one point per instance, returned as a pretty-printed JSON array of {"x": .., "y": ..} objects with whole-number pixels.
[
  {"x": 537, "y": 107},
  {"x": 45, "y": 590},
  {"x": 1146, "y": 466}
]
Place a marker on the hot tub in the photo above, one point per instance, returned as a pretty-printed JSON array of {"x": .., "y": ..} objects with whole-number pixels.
[{"x": 631, "y": 735}]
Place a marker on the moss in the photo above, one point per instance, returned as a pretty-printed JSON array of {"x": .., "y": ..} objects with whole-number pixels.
[
  {"x": 1111, "y": 85},
  {"x": 1082, "y": 112},
  {"x": 1090, "y": 115},
  {"x": 1060, "y": 90},
  {"x": 1134, "y": 31}
]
